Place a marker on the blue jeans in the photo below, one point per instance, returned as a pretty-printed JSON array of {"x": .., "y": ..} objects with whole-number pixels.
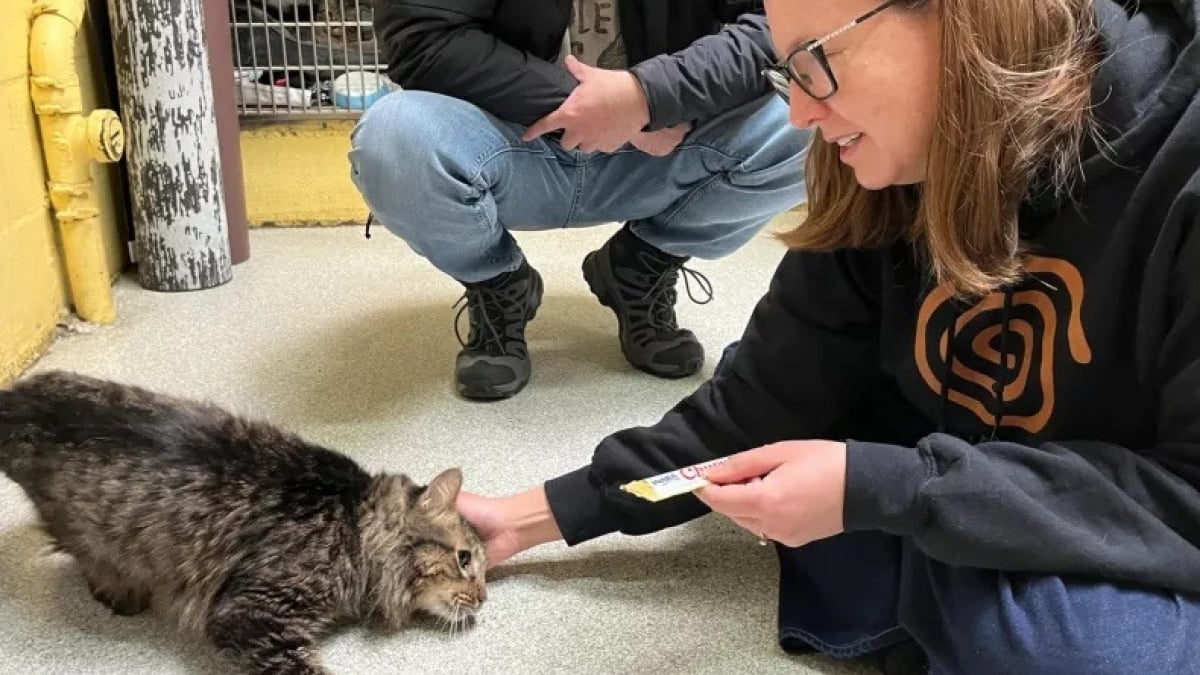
[
  {"x": 452, "y": 180},
  {"x": 856, "y": 593},
  {"x": 861, "y": 592}
]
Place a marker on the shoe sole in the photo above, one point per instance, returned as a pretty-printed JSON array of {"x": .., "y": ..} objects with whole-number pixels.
[
  {"x": 503, "y": 391},
  {"x": 592, "y": 268},
  {"x": 491, "y": 393}
]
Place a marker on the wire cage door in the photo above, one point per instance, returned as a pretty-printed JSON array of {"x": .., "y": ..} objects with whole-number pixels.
[{"x": 305, "y": 58}]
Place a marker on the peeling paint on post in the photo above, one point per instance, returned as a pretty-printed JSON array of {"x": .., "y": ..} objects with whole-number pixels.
[{"x": 172, "y": 146}]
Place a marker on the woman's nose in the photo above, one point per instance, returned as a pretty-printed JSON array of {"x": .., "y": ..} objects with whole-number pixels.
[{"x": 803, "y": 110}]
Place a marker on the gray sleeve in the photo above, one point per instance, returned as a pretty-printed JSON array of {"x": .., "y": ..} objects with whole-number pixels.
[{"x": 714, "y": 74}]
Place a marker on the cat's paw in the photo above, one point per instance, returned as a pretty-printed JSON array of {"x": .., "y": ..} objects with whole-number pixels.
[{"x": 123, "y": 602}]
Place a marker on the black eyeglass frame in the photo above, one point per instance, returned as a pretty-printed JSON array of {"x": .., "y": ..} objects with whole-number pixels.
[{"x": 780, "y": 74}]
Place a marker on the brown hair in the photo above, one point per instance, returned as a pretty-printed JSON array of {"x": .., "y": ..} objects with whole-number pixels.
[{"x": 1014, "y": 103}]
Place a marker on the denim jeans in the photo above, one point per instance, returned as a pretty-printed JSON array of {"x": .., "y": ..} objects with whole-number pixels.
[
  {"x": 860, "y": 592},
  {"x": 452, "y": 181}
]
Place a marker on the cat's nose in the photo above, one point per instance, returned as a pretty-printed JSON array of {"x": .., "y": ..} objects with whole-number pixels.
[{"x": 480, "y": 591}]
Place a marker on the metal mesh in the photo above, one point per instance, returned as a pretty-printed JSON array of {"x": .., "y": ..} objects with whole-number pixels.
[{"x": 305, "y": 58}]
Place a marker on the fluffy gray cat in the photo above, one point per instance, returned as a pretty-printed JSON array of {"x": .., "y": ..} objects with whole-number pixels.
[{"x": 246, "y": 534}]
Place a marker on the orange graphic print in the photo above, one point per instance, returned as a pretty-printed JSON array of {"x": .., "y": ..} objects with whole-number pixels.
[{"x": 1050, "y": 304}]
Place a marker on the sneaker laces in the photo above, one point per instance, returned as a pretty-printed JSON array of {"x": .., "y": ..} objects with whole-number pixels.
[
  {"x": 491, "y": 311},
  {"x": 662, "y": 295}
]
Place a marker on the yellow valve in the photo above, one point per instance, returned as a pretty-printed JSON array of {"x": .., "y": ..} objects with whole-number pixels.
[{"x": 105, "y": 136}]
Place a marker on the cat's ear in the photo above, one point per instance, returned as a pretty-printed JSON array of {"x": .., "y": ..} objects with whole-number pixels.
[{"x": 442, "y": 492}]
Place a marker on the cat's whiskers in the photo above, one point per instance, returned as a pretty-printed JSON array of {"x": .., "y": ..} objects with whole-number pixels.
[
  {"x": 462, "y": 615},
  {"x": 448, "y": 620}
]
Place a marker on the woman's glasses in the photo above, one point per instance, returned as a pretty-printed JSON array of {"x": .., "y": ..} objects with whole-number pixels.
[{"x": 808, "y": 66}]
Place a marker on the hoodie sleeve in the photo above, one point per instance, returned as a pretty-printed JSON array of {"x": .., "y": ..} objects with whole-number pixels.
[
  {"x": 712, "y": 75},
  {"x": 447, "y": 51},
  {"x": 1069, "y": 506},
  {"x": 815, "y": 305}
]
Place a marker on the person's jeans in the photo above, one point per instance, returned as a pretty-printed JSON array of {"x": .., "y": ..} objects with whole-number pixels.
[
  {"x": 452, "y": 180},
  {"x": 856, "y": 593},
  {"x": 861, "y": 592}
]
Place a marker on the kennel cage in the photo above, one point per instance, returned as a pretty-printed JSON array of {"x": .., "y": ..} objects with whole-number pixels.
[{"x": 305, "y": 58}]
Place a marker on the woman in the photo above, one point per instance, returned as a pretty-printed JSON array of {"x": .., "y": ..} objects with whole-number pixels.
[{"x": 972, "y": 391}]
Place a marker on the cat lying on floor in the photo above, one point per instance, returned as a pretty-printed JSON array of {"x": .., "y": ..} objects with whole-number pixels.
[{"x": 247, "y": 535}]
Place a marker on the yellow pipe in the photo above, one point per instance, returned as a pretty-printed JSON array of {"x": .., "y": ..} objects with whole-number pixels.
[{"x": 70, "y": 143}]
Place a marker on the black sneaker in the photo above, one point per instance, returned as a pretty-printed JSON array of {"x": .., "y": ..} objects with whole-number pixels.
[
  {"x": 637, "y": 281},
  {"x": 494, "y": 360}
]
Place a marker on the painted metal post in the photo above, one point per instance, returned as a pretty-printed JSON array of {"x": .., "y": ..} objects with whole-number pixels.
[{"x": 172, "y": 147}]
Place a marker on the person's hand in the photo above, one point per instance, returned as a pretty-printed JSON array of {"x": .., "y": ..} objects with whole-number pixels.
[
  {"x": 509, "y": 525},
  {"x": 661, "y": 142},
  {"x": 488, "y": 517},
  {"x": 799, "y": 498},
  {"x": 603, "y": 113}
]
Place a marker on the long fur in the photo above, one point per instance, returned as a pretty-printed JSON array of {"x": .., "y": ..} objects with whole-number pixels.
[{"x": 242, "y": 532}]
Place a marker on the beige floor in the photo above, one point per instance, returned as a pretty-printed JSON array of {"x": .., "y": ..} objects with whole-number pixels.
[{"x": 350, "y": 343}]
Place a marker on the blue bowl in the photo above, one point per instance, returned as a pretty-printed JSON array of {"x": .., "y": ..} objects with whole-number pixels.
[{"x": 358, "y": 90}]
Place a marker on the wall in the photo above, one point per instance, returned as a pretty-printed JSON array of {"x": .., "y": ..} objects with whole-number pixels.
[
  {"x": 33, "y": 290},
  {"x": 283, "y": 161}
]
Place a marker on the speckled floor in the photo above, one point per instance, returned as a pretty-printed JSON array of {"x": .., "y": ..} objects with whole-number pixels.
[{"x": 350, "y": 342}]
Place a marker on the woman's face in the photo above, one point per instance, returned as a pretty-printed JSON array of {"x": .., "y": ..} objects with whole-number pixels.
[{"x": 887, "y": 73}]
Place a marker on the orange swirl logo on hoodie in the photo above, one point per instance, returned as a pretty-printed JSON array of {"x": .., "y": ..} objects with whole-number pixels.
[{"x": 1040, "y": 312}]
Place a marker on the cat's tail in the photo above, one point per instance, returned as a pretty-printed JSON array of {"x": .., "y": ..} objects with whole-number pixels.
[
  {"x": 48, "y": 411},
  {"x": 10, "y": 449},
  {"x": 20, "y": 408},
  {"x": 14, "y": 455}
]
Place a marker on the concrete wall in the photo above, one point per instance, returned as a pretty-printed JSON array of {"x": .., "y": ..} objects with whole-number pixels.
[{"x": 33, "y": 290}]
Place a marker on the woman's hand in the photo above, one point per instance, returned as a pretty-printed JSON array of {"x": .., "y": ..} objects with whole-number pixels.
[
  {"x": 510, "y": 525},
  {"x": 489, "y": 519},
  {"x": 799, "y": 498}
]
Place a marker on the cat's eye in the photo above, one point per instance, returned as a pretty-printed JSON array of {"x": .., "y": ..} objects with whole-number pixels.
[{"x": 464, "y": 559}]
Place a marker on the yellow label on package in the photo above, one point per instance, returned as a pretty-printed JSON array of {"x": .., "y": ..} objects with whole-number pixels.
[{"x": 672, "y": 483}]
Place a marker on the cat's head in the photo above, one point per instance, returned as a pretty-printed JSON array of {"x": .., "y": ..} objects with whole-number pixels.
[
  {"x": 448, "y": 556},
  {"x": 423, "y": 554}
]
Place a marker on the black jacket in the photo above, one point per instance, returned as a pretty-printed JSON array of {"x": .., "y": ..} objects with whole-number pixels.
[
  {"x": 694, "y": 58},
  {"x": 1085, "y": 461}
]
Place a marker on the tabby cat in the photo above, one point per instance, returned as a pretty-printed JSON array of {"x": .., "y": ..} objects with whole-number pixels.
[{"x": 246, "y": 534}]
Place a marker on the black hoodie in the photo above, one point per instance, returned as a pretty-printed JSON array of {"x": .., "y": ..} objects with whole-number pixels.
[
  {"x": 694, "y": 59},
  {"x": 1086, "y": 461}
]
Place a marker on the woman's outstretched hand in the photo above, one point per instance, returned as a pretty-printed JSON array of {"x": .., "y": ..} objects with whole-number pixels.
[
  {"x": 510, "y": 525},
  {"x": 487, "y": 516},
  {"x": 798, "y": 497}
]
